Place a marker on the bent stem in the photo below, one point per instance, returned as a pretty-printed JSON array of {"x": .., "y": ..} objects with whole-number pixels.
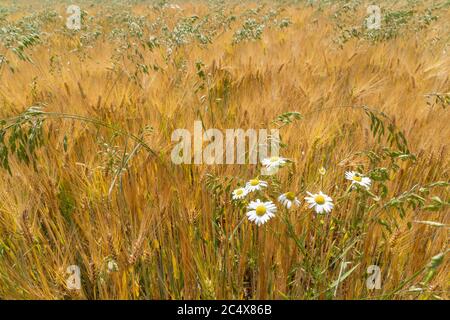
[{"x": 37, "y": 113}]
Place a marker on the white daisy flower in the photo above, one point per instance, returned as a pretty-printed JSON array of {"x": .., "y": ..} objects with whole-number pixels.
[
  {"x": 358, "y": 179},
  {"x": 273, "y": 162},
  {"x": 320, "y": 202},
  {"x": 239, "y": 193},
  {"x": 289, "y": 200},
  {"x": 255, "y": 184},
  {"x": 261, "y": 212}
]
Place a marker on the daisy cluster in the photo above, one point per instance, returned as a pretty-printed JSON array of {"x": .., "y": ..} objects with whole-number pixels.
[{"x": 260, "y": 212}]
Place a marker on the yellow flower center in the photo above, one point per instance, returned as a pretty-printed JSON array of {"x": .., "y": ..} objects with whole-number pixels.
[
  {"x": 357, "y": 178},
  {"x": 260, "y": 210},
  {"x": 254, "y": 182},
  {"x": 319, "y": 199},
  {"x": 274, "y": 159},
  {"x": 239, "y": 192},
  {"x": 290, "y": 196}
]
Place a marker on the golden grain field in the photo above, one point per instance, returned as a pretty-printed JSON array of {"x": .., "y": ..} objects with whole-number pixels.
[{"x": 85, "y": 149}]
